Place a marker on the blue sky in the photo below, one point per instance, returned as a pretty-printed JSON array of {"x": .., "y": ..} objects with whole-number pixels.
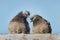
[{"x": 48, "y": 9}]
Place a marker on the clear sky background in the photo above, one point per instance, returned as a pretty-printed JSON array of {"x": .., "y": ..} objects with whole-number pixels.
[{"x": 48, "y": 9}]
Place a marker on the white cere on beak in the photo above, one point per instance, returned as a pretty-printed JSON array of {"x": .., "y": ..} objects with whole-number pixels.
[{"x": 25, "y": 12}]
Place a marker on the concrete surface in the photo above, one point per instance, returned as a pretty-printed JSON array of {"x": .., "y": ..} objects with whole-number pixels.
[{"x": 29, "y": 36}]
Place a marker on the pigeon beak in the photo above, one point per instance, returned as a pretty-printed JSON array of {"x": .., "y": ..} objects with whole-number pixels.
[{"x": 30, "y": 19}]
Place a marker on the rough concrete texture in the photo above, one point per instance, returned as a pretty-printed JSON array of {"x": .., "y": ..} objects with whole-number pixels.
[{"x": 29, "y": 36}]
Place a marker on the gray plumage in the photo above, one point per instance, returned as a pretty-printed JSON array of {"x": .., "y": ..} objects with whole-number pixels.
[
  {"x": 19, "y": 23},
  {"x": 40, "y": 25}
]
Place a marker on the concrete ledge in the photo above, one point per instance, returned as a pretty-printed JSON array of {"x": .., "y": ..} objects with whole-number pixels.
[{"x": 29, "y": 36}]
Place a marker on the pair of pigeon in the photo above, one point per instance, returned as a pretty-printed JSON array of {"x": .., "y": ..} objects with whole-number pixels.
[{"x": 19, "y": 24}]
